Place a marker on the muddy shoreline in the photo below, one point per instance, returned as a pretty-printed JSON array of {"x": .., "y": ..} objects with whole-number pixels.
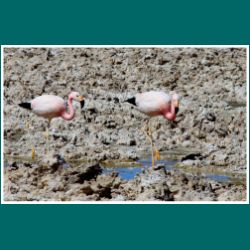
[
  {"x": 210, "y": 131},
  {"x": 57, "y": 180}
]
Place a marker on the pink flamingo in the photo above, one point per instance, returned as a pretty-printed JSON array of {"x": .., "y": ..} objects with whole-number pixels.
[
  {"x": 51, "y": 106},
  {"x": 156, "y": 103}
]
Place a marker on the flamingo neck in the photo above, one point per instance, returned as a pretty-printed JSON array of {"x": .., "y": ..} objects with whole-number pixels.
[
  {"x": 71, "y": 114},
  {"x": 170, "y": 114}
]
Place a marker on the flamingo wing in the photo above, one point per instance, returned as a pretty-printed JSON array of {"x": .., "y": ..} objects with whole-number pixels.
[
  {"x": 48, "y": 106},
  {"x": 152, "y": 102}
]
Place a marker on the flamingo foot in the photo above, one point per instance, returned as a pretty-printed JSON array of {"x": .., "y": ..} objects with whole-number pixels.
[
  {"x": 157, "y": 155},
  {"x": 27, "y": 125},
  {"x": 46, "y": 134},
  {"x": 33, "y": 153},
  {"x": 153, "y": 163}
]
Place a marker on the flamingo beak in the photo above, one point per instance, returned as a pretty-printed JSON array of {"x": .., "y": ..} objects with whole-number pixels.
[
  {"x": 176, "y": 110},
  {"x": 176, "y": 105},
  {"x": 82, "y": 101}
]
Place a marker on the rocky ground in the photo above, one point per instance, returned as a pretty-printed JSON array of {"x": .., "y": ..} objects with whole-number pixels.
[
  {"x": 55, "y": 180},
  {"x": 210, "y": 130}
]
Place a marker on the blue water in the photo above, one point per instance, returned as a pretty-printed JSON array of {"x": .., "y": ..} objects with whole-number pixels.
[
  {"x": 128, "y": 173},
  {"x": 218, "y": 178}
]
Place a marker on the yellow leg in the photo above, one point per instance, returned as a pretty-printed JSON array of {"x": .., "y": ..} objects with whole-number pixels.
[
  {"x": 152, "y": 147},
  {"x": 46, "y": 134},
  {"x": 27, "y": 125},
  {"x": 154, "y": 151},
  {"x": 157, "y": 154},
  {"x": 33, "y": 153}
]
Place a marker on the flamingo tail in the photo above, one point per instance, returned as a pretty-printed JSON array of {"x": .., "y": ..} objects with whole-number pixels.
[
  {"x": 131, "y": 101},
  {"x": 26, "y": 105}
]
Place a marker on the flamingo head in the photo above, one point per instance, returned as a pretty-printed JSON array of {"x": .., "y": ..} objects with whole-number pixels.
[{"x": 77, "y": 97}]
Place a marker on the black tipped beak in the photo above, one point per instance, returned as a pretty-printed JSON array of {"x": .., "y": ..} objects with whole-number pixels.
[
  {"x": 82, "y": 103},
  {"x": 176, "y": 110}
]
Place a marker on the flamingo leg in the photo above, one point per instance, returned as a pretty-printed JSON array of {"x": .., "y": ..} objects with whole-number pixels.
[
  {"x": 33, "y": 151},
  {"x": 152, "y": 146},
  {"x": 155, "y": 154},
  {"x": 27, "y": 125},
  {"x": 46, "y": 134}
]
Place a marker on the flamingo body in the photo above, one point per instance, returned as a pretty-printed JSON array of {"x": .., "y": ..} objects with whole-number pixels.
[
  {"x": 155, "y": 103},
  {"x": 51, "y": 106},
  {"x": 48, "y": 106}
]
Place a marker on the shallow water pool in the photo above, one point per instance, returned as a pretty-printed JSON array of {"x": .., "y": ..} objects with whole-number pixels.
[{"x": 129, "y": 172}]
